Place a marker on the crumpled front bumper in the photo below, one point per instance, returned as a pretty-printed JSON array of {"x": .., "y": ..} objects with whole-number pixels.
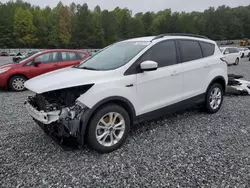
[
  {"x": 44, "y": 117},
  {"x": 58, "y": 124}
]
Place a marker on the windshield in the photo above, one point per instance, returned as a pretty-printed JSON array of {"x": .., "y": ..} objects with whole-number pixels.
[
  {"x": 26, "y": 57},
  {"x": 113, "y": 56},
  {"x": 221, "y": 49}
]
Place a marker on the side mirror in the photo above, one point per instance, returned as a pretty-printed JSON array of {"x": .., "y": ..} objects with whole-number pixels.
[
  {"x": 149, "y": 66},
  {"x": 226, "y": 52},
  {"x": 37, "y": 63}
]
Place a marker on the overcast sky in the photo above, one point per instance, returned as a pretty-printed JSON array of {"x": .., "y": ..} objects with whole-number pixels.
[{"x": 146, "y": 5}]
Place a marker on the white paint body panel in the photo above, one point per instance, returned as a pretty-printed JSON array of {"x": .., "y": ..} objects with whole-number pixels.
[{"x": 231, "y": 57}]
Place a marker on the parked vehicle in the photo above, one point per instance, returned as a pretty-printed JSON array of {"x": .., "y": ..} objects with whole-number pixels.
[
  {"x": 4, "y": 54},
  {"x": 19, "y": 57},
  {"x": 127, "y": 83},
  {"x": 12, "y": 54},
  {"x": 245, "y": 52},
  {"x": 232, "y": 55},
  {"x": 14, "y": 75}
]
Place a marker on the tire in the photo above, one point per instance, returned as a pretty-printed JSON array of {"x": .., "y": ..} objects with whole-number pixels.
[
  {"x": 237, "y": 61},
  {"x": 210, "y": 96},
  {"x": 16, "y": 83},
  {"x": 242, "y": 55},
  {"x": 95, "y": 128}
]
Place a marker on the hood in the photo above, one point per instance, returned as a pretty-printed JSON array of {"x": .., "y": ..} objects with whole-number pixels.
[
  {"x": 65, "y": 78},
  {"x": 12, "y": 64}
]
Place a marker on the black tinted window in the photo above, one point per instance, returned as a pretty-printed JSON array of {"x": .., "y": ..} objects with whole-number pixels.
[
  {"x": 207, "y": 49},
  {"x": 190, "y": 50},
  {"x": 164, "y": 53}
]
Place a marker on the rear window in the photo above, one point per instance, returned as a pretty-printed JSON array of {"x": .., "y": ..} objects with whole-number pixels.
[
  {"x": 207, "y": 49},
  {"x": 190, "y": 50}
]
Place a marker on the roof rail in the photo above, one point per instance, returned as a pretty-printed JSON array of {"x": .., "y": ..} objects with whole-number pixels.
[{"x": 179, "y": 34}]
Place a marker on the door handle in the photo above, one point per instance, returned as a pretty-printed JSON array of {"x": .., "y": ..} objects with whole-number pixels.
[
  {"x": 207, "y": 65},
  {"x": 175, "y": 73}
]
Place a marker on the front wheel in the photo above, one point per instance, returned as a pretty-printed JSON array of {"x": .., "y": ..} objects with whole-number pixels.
[
  {"x": 108, "y": 129},
  {"x": 16, "y": 83},
  {"x": 214, "y": 98}
]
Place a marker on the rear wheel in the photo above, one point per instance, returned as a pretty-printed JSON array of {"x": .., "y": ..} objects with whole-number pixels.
[
  {"x": 108, "y": 128},
  {"x": 237, "y": 61},
  {"x": 214, "y": 98},
  {"x": 16, "y": 83}
]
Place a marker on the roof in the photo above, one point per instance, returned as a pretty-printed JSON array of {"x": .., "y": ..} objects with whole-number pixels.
[
  {"x": 151, "y": 38},
  {"x": 62, "y": 50}
]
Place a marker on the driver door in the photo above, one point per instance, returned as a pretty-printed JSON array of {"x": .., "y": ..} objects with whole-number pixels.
[
  {"x": 49, "y": 62},
  {"x": 162, "y": 87}
]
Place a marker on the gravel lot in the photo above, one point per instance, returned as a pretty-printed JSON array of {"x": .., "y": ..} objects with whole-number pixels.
[{"x": 187, "y": 149}]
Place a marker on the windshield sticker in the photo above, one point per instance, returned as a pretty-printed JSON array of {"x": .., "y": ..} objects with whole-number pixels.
[{"x": 142, "y": 43}]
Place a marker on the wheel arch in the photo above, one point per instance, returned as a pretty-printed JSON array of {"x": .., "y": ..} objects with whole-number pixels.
[
  {"x": 219, "y": 79},
  {"x": 8, "y": 81},
  {"x": 121, "y": 101}
]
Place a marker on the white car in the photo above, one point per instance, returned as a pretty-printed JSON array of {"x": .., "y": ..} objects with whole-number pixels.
[
  {"x": 126, "y": 83},
  {"x": 12, "y": 54},
  {"x": 245, "y": 52},
  {"x": 232, "y": 55}
]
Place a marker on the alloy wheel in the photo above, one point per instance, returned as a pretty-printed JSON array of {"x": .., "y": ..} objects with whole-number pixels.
[
  {"x": 215, "y": 98},
  {"x": 110, "y": 129}
]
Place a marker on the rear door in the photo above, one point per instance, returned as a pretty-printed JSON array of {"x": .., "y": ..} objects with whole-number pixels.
[
  {"x": 68, "y": 59},
  {"x": 195, "y": 66},
  {"x": 49, "y": 62}
]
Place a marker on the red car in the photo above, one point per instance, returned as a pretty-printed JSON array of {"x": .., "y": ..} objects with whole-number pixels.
[{"x": 14, "y": 75}]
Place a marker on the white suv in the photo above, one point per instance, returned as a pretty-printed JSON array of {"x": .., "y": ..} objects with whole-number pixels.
[{"x": 126, "y": 83}]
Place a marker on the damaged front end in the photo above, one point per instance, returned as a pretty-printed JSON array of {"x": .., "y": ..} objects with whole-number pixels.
[{"x": 59, "y": 113}]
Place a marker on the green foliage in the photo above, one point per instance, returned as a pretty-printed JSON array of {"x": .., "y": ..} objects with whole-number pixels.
[
  {"x": 75, "y": 26},
  {"x": 24, "y": 28}
]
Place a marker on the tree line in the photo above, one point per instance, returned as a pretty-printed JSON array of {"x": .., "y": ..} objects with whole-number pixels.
[{"x": 76, "y": 26}]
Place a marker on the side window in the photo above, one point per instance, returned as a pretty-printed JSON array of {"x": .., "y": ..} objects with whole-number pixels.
[
  {"x": 47, "y": 58},
  {"x": 227, "y": 50},
  {"x": 190, "y": 50},
  {"x": 231, "y": 50},
  {"x": 82, "y": 55},
  {"x": 64, "y": 56},
  {"x": 72, "y": 56},
  {"x": 207, "y": 49},
  {"x": 245, "y": 49},
  {"x": 236, "y": 50},
  {"x": 69, "y": 56},
  {"x": 164, "y": 53}
]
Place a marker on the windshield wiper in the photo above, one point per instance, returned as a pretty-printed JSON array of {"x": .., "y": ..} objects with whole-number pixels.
[{"x": 89, "y": 68}]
